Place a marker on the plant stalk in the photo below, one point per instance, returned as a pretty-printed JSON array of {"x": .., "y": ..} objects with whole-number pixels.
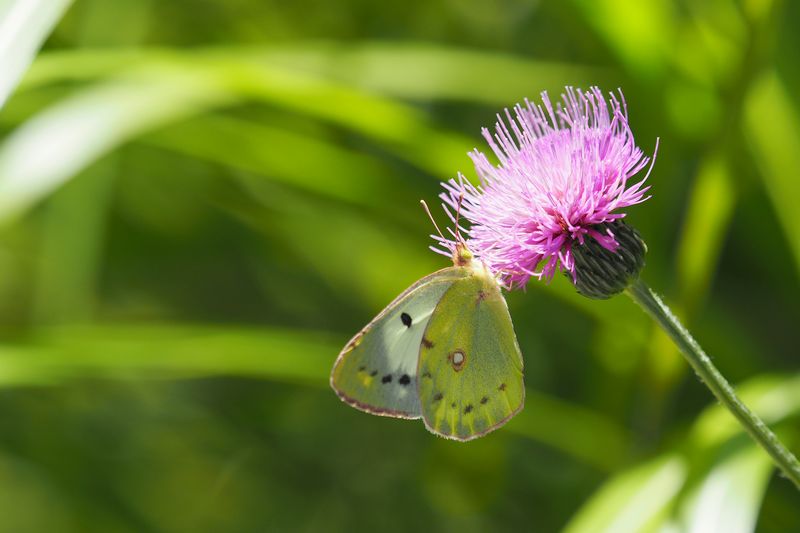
[{"x": 702, "y": 365}]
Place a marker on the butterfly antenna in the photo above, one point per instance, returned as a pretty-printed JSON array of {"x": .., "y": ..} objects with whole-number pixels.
[
  {"x": 458, "y": 215},
  {"x": 430, "y": 216},
  {"x": 461, "y": 254}
]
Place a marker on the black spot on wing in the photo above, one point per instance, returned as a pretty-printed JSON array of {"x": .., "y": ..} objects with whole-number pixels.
[
  {"x": 373, "y": 373},
  {"x": 386, "y": 379},
  {"x": 404, "y": 380},
  {"x": 484, "y": 400},
  {"x": 468, "y": 409},
  {"x": 406, "y": 318}
]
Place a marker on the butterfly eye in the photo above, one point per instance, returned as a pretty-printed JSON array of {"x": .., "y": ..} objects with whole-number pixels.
[{"x": 458, "y": 359}]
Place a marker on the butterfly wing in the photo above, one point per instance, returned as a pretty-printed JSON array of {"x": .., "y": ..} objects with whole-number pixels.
[
  {"x": 377, "y": 370},
  {"x": 470, "y": 367}
]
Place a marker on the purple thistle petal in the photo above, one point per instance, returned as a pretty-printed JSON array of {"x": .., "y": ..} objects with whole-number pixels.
[{"x": 562, "y": 170}]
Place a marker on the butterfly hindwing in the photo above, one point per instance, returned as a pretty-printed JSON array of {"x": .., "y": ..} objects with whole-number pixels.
[
  {"x": 470, "y": 366},
  {"x": 377, "y": 370}
]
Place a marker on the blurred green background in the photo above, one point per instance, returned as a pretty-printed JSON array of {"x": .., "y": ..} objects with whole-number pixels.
[{"x": 201, "y": 201}]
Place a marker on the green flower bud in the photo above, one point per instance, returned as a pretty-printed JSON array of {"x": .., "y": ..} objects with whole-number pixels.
[{"x": 601, "y": 273}]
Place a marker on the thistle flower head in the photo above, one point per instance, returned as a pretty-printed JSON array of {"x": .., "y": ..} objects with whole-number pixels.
[{"x": 562, "y": 178}]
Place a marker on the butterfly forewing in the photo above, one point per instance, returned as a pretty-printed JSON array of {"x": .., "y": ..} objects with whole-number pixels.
[
  {"x": 377, "y": 370},
  {"x": 470, "y": 366}
]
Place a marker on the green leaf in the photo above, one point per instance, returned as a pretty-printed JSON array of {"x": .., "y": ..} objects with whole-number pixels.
[
  {"x": 640, "y": 33},
  {"x": 428, "y": 71},
  {"x": 403, "y": 129},
  {"x": 167, "y": 351},
  {"x": 64, "y": 139},
  {"x": 772, "y": 398},
  {"x": 56, "y": 355},
  {"x": 635, "y": 501},
  {"x": 685, "y": 492},
  {"x": 160, "y": 88},
  {"x": 81, "y": 128},
  {"x": 316, "y": 165},
  {"x": 729, "y": 496},
  {"x": 709, "y": 213},
  {"x": 24, "y": 25},
  {"x": 70, "y": 255},
  {"x": 773, "y": 128},
  {"x": 413, "y": 70}
]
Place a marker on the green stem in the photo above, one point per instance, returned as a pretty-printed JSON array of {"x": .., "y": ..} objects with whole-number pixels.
[{"x": 653, "y": 306}]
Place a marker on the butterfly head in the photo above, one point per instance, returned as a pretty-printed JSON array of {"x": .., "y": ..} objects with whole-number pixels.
[{"x": 462, "y": 256}]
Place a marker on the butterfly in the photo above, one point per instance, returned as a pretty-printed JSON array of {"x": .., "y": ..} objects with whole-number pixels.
[{"x": 444, "y": 351}]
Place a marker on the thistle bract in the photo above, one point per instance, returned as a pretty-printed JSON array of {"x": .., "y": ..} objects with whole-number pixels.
[
  {"x": 561, "y": 179},
  {"x": 601, "y": 273}
]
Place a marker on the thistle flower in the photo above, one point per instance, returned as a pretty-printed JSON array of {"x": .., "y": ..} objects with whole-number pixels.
[
  {"x": 561, "y": 182},
  {"x": 553, "y": 203}
]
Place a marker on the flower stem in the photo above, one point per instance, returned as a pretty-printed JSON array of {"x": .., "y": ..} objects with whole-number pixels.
[{"x": 700, "y": 362}]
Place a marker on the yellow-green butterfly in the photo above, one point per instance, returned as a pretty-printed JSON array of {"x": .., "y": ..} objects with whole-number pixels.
[{"x": 444, "y": 351}]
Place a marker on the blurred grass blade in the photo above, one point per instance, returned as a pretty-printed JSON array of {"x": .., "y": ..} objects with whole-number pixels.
[
  {"x": 773, "y": 398},
  {"x": 301, "y": 160},
  {"x": 402, "y": 129},
  {"x": 56, "y": 355},
  {"x": 730, "y": 495},
  {"x": 708, "y": 216},
  {"x": 711, "y": 204},
  {"x": 342, "y": 85},
  {"x": 634, "y": 501},
  {"x": 167, "y": 351},
  {"x": 409, "y": 70},
  {"x": 246, "y": 73},
  {"x": 773, "y": 128},
  {"x": 428, "y": 71},
  {"x": 640, "y": 33},
  {"x": 62, "y": 140},
  {"x": 727, "y": 491},
  {"x": 24, "y": 25},
  {"x": 70, "y": 255}
]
